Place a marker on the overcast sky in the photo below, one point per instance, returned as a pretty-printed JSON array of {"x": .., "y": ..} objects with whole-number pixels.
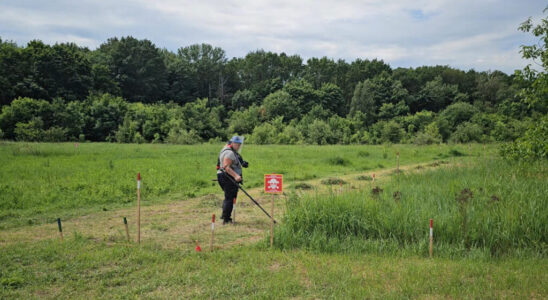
[{"x": 479, "y": 34}]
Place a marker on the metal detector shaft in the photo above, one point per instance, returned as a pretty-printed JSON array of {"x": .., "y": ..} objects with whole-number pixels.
[{"x": 241, "y": 188}]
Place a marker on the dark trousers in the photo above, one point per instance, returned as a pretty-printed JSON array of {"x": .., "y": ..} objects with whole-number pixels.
[{"x": 231, "y": 192}]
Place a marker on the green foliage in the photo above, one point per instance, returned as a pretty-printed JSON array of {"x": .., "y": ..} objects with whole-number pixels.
[
  {"x": 264, "y": 134},
  {"x": 281, "y": 104},
  {"x": 430, "y": 135},
  {"x": 532, "y": 146},
  {"x": 138, "y": 67},
  {"x": 319, "y": 133},
  {"x": 466, "y": 133},
  {"x": 392, "y": 132},
  {"x": 31, "y": 131}
]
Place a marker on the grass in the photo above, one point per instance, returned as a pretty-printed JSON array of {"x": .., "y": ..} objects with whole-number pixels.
[
  {"x": 332, "y": 243},
  {"x": 80, "y": 268},
  {"x": 42, "y": 181},
  {"x": 489, "y": 208}
]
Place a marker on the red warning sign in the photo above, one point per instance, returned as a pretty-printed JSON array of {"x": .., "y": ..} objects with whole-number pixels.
[{"x": 273, "y": 183}]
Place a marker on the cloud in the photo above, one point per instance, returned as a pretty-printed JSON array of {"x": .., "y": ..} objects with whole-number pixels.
[{"x": 466, "y": 34}]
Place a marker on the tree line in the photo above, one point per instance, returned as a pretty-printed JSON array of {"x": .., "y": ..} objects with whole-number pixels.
[{"x": 129, "y": 90}]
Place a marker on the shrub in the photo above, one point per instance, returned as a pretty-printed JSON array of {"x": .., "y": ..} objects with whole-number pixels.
[
  {"x": 392, "y": 132},
  {"x": 290, "y": 135},
  {"x": 319, "y": 133},
  {"x": 467, "y": 132},
  {"x": 183, "y": 137},
  {"x": 264, "y": 134},
  {"x": 534, "y": 145},
  {"x": 31, "y": 131},
  {"x": 55, "y": 134}
]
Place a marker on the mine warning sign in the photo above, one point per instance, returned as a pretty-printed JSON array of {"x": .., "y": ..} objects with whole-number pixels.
[{"x": 273, "y": 183}]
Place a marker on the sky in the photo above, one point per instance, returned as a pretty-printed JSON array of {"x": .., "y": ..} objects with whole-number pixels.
[{"x": 479, "y": 34}]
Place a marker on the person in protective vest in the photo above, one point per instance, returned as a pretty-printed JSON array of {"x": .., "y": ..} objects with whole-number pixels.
[{"x": 230, "y": 163}]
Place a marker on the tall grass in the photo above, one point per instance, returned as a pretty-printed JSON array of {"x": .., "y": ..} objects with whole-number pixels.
[{"x": 492, "y": 207}]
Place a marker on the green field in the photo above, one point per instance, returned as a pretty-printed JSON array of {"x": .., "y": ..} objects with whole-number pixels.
[
  {"x": 41, "y": 182},
  {"x": 333, "y": 241}
]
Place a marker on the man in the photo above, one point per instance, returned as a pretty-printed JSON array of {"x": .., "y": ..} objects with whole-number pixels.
[{"x": 230, "y": 163}]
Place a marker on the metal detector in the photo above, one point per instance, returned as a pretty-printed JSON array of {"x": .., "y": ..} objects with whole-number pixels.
[{"x": 241, "y": 188}]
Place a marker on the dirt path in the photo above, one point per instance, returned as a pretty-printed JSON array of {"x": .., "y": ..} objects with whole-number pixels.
[{"x": 179, "y": 223}]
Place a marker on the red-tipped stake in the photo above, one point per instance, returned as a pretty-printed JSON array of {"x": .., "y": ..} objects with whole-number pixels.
[
  {"x": 198, "y": 248},
  {"x": 431, "y": 237},
  {"x": 212, "y": 232},
  {"x": 138, "y": 207},
  {"x": 373, "y": 181}
]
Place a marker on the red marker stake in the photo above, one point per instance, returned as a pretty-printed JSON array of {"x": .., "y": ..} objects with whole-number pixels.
[
  {"x": 431, "y": 236},
  {"x": 138, "y": 207},
  {"x": 212, "y": 232},
  {"x": 198, "y": 248}
]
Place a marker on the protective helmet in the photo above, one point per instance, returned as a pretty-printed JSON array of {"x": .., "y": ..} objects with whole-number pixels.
[{"x": 237, "y": 139}]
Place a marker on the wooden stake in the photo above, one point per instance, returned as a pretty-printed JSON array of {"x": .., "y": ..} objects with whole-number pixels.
[
  {"x": 272, "y": 223},
  {"x": 431, "y": 237},
  {"x": 139, "y": 208},
  {"x": 127, "y": 229},
  {"x": 212, "y": 232},
  {"x": 60, "y": 228}
]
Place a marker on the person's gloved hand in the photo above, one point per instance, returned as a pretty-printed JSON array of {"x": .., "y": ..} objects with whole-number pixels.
[{"x": 245, "y": 164}]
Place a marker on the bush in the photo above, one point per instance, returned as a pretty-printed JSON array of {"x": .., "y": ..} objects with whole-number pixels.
[
  {"x": 55, "y": 134},
  {"x": 264, "y": 134},
  {"x": 466, "y": 133},
  {"x": 534, "y": 145},
  {"x": 183, "y": 137},
  {"x": 290, "y": 135},
  {"x": 430, "y": 135},
  {"x": 31, "y": 131},
  {"x": 392, "y": 132},
  {"x": 319, "y": 133}
]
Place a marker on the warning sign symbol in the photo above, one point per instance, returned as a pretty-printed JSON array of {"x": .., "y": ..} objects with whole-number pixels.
[{"x": 273, "y": 183}]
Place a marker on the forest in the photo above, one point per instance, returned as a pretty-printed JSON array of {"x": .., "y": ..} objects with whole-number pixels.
[{"x": 131, "y": 91}]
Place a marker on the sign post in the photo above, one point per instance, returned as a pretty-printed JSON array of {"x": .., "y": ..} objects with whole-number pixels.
[
  {"x": 139, "y": 208},
  {"x": 273, "y": 184}
]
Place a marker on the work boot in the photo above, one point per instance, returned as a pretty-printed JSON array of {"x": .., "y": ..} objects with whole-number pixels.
[{"x": 227, "y": 221}]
